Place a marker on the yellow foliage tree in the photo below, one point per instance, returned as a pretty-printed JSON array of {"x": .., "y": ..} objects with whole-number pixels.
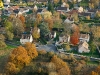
[
  {"x": 61, "y": 66},
  {"x": 31, "y": 50},
  {"x": 36, "y": 33}
]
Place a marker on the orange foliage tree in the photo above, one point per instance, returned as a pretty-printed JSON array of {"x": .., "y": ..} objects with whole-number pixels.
[
  {"x": 61, "y": 66},
  {"x": 22, "y": 18},
  {"x": 31, "y": 50},
  {"x": 17, "y": 59},
  {"x": 74, "y": 38},
  {"x": 38, "y": 18}
]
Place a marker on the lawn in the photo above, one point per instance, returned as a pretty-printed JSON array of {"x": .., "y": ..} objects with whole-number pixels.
[{"x": 95, "y": 54}]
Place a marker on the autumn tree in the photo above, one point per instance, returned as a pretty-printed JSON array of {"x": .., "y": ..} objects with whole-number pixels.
[
  {"x": 75, "y": 17},
  {"x": 58, "y": 24},
  {"x": 93, "y": 73},
  {"x": 22, "y": 18},
  {"x": 11, "y": 69},
  {"x": 2, "y": 39},
  {"x": 80, "y": 26},
  {"x": 96, "y": 31},
  {"x": 67, "y": 47},
  {"x": 17, "y": 26},
  {"x": 74, "y": 38},
  {"x": 47, "y": 14},
  {"x": 38, "y": 18},
  {"x": 97, "y": 14},
  {"x": 61, "y": 66},
  {"x": 19, "y": 57},
  {"x": 96, "y": 71},
  {"x": 50, "y": 23},
  {"x": 75, "y": 28},
  {"x": 31, "y": 50}
]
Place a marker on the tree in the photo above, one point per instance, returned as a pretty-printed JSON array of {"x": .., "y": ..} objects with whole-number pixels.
[
  {"x": 93, "y": 73},
  {"x": 57, "y": 24},
  {"x": 47, "y": 14},
  {"x": 36, "y": 33},
  {"x": 19, "y": 57},
  {"x": 50, "y": 7},
  {"x": 61, "y": 66},
  {"x": 74, "y": 38},
  {"x": 93, "y": 47},
  {"x": 80, "y": 26},
  {"x": 8, "y": 25},
  {"x": 22, "y": 18},
  {"x": 2, "y": 38},
  {"x": 31, "y": 50},
  {"x": 2, "y": 43},
  {"x": 60, "y": 2},
  {"x": 9, "y": 35},
  {"x": 67, "y": 46},
  {"x": 44, "y": 28},
  {"x": 17, "y": 26},
  {"x": 96, "y": 31},
  {"x": 88, "y": 17},
  {"x": 97, "y": 14},
  {"x": 11, "y": 69},
  {"x": 75, "y": 17},
  {"x": 38, "y": 18},
  {"x": 50, "y": 23}
]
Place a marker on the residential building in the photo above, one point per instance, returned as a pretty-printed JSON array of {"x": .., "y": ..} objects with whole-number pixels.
[
  {"x": 83, "y": 47},
  {"x": 84, "y": 37},
  {"x": 52, "y": 35},
  {"x": 26, "y": 38}
]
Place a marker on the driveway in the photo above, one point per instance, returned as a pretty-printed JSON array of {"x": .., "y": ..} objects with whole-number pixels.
[{"x": 48, "y": 48}]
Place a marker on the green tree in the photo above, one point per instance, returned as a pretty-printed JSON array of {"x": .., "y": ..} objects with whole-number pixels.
[
  {"x": 9, "y": 35},
  {"x": 8, "y": 25},
  {"x": 50, "y": 7},
  {"x": 44, "y": 28},
  {"x": 93, "y": 47}
]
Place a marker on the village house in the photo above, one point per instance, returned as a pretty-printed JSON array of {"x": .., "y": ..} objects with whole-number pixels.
[
  {"x": 69, "y": 20},
  {"x": 42, "y": 1},
  {"x": 83, "y": 47},
  {"x": 6, "y": 1},
  {"x": 63, "y": 38},
  {"x": 74, "y": 0},
  {"x": 84, "y": 37},
  {"x": 26, "y": 38},
  {"x": 52, "y": 35},
  {"x": 62, "y": 9}
]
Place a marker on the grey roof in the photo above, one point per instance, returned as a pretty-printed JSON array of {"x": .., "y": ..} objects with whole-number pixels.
[
  {"x": 41, "y": 0},
  {"x": 61, "y": 8},
  {"x": 39, "y": 10}
]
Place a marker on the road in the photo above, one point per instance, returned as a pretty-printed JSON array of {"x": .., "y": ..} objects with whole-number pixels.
[
  {"x": 48, "y": 48},
  {"x": 53, "y": 48}
]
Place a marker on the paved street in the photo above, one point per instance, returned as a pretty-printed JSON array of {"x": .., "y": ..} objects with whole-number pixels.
[{"x": 47, "y": 48}]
